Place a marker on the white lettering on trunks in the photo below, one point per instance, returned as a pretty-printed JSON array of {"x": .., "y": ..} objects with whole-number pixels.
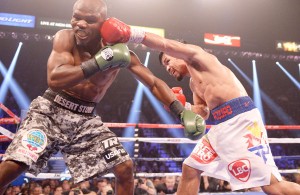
[
  {"x": 65, "y": 103},
  {"x": 108, "y": 143}
]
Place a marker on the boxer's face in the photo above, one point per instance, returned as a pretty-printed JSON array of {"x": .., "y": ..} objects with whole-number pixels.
[
  {"x": 175, "y": 67},
  {"x": 86, "y": 22}
]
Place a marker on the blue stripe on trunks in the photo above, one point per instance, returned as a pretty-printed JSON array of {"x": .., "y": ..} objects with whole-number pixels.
[{"x": 232, "y": 108}]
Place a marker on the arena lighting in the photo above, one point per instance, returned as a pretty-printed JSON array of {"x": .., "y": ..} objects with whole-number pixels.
[
  {"x": 134, "y": 113},
  {"x": 2, "y": 35},
  {"x": 18, "y": 93},
  {"x": 166, "y": 118},
  {"x": 37, "y": 37},
  {"x": 294, "y": 81},
  {"x": 14, "y": 35},
  {"x": 256, "y": 92},
  {"x": 217, "y": 52},
  {"x": 8, "y": 76},
  {"x": 241, "y": 72},
  {"x": 26, "y": 36},
  {"x": 253, "y": 55},
  {"x": 278, "y": 111}
]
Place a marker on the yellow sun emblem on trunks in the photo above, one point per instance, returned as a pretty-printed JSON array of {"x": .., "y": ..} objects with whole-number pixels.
[{"x": 255, "y": 130}]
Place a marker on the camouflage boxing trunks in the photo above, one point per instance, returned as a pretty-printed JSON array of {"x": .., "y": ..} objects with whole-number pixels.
[{"x": 58, "y": 122}]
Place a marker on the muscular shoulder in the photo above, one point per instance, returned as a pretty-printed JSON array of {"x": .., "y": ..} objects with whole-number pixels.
[
  {"x": 64, "y": 34},
  {"x": 64, "y": 40}
]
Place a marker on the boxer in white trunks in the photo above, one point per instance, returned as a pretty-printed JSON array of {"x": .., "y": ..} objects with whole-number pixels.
[{"x": 236, "y": 149}]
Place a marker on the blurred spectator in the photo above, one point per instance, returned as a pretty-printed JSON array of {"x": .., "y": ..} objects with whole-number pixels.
[
  {"x": 66, "y": 186},
  {"x": 156, "y": 181},
  {"x": 104, "y": 187},
  {"x": 94, "y": 183},
  {"x": 16, "y": 190},
  {"x": 85, "y": 188},
  {"x": 297, "y": 178},
  {"x": 37, "y": 190},
  {"x": 53, "y": 184},
  {"x": 47, "y": 189},
  {"x": 8, "y": 190},
  {"x": 32, "y": 185},
  {"x": 25, "y": 189},
  {"x": 225, "y": 186},
  {"x": 58, "y": 190},
  {"x": 101, "y": 184},
  {"x": 169, "y": 186},
  {"x": 144, "y": 186},
  {"x": 209, "y": 184}
]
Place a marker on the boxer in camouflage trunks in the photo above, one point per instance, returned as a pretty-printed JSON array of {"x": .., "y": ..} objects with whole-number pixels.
[
  {"x": 80, "y": 69},
  {"x": 89, "y": 147}
]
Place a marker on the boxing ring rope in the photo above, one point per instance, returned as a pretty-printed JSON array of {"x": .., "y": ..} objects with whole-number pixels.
[
  {"x": 14, "y": 118},
  {"x": 142, "y": 174},
  {"x": 161, "y": 140},
  {"x": 7, "y": 136}
]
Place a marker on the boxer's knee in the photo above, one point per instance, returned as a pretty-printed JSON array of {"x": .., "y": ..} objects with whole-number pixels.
[
  {"x": 124, "y": 171},
  {"x": 9, "y": 171},
  {"x": 189, "y": 172},
  {"x": 281, "y": 187}
]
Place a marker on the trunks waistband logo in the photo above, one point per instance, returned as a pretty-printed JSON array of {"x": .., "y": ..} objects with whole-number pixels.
[
  {"x": 222, "y": 112},
  {"x": 73, "y": 106}
]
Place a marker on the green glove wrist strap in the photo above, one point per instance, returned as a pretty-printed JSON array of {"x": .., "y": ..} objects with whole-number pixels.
[
  {"x": 176, "y": 108},
  {"x": 89, "y": 67}
]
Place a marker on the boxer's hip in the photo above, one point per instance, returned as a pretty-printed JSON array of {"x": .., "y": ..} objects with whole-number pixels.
[{"x": 70, "y": 103}]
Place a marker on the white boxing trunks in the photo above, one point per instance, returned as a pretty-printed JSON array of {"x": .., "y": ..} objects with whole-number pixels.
[{"x": 236, "y": 148}]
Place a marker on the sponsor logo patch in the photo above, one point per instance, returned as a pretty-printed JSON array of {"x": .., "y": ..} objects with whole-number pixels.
[
  {"x": 111, "y": 155},
  {"x": 34, "y": 140},
  {"x": 110, "y": 142},
  {"x": 203, "y": 152},
  {"x": 240, "y": 169},
  {"x": 224, "y": 40},
  {"x": 107, "y": 54},
  {"x": 25, "y": 152},
  {"x": 19, "y": 20}
]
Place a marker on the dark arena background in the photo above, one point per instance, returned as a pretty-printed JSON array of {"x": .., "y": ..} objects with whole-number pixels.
[{"x": 259, "y": 40}]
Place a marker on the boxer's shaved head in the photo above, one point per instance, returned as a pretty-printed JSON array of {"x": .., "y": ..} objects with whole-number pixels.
[{"x": 92, "y": 6}]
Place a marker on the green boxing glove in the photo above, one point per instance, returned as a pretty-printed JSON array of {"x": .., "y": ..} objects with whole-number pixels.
[
  {"x": 194, "y": 124},
  {"x": 117, "y": 55}
]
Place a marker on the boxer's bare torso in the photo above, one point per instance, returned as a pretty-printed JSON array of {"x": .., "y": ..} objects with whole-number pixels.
[{"x": 72, "y": 54}]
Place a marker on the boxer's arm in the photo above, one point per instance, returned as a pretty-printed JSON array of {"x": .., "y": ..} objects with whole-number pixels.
[
  {"x": 192, "y": 54},
  {"x": 116, "y": 31},
  {"x": 200, "y": 107},
  {"x": 158, "y": 87},
  {"x": 61, "y": 71}
]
